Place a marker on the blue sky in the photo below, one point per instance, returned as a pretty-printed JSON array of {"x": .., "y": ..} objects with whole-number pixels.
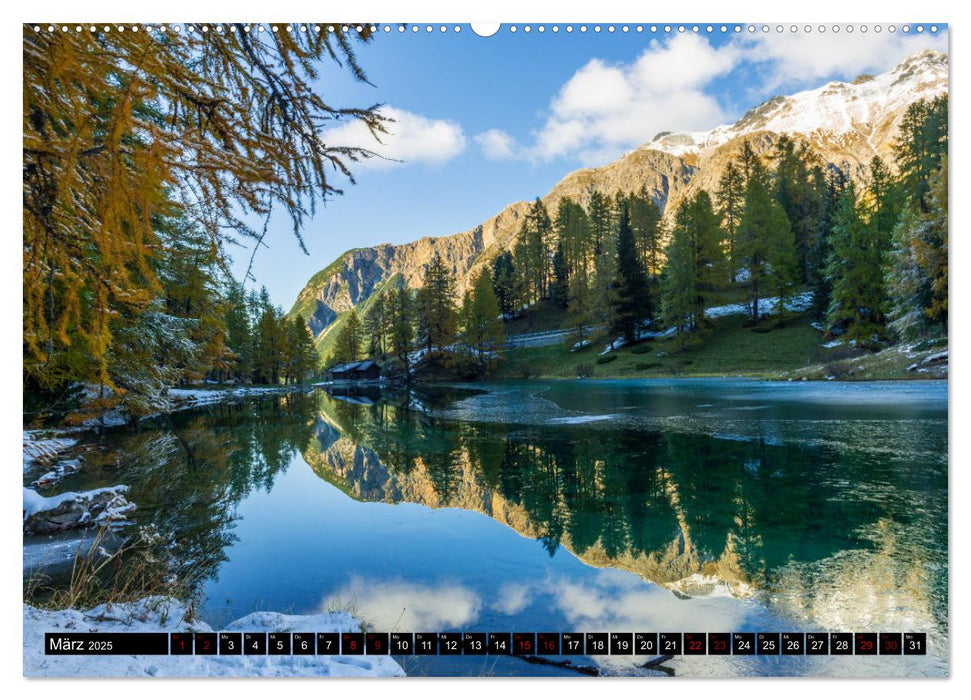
[{"x": 482, "y": 122}]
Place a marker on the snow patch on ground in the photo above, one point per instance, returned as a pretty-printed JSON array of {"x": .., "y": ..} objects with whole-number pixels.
[
  {"x": 35, "y": 503},
  {"x": 72, "y": 510},
  {"x": 798, "y": 304},
  {"x": 156, "y": 614}
]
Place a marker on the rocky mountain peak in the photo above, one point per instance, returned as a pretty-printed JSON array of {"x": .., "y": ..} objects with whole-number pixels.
[{"x": 846, "y": 122}]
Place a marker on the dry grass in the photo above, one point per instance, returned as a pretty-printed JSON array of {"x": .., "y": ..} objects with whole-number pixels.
[{"x": 132, "y": 572}]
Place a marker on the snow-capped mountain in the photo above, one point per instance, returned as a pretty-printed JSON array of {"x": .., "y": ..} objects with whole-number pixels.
[
  {"x": 846, "y": 123},
  {"x": 860, "y": 108}
]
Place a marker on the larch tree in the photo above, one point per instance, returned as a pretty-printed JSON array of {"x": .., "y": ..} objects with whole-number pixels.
[
  {"x": 917, "y": 277},
  {"x": 123, "y": 127},
  {"x": 679, "y": 291}
]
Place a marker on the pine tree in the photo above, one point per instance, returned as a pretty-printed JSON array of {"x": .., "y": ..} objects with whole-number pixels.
[
  {"x": 795, "y": 192},
  {"x": 855, "y": 272},
  {"x": 239, "y": 335},
  {"x": 573, "y": 231},
  {"x": 601, "y": 223},
  {"x": 504, "y": 283},
  {"x": 704, "y": 239},
  {"x": 399, "y": 306},
  {"x": 347, "y": 345},
  {"x": 731, "y": 201},
  {"x": 537, "y": 233},
  {"x": 301, "y": 356},
  {"x": 645, "y": 221},
  {"x": 832, "y": 183},
  {"x": 920, "y": 146},
  {"x": 436, "y": 306},
  {"x": 374, "y": 326},
  {"x": 632, "y": 302},
  {"x": 560, "y": 286}
]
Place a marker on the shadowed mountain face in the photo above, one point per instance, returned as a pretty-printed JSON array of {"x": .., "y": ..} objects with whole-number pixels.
[
  {"x": 846, "y": 123},
  {"x": 784, "y": 521}
]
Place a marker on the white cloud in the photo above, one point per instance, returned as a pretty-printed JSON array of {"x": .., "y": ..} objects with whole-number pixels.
[
  {"x": 401, "y": 605},
  {"x": 496, "y": 144},
  {"x": 411, "y": 138},
  {"x": 804, "y": 59},
  {"x": 513, "y": 598},
  {"x": 605, "y": 109}
]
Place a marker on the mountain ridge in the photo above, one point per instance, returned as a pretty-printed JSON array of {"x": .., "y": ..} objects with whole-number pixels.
[{"x": 846, "y": 122}]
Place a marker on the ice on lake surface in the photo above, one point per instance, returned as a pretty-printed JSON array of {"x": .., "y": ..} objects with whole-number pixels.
[{"x": 662, "y": 505}]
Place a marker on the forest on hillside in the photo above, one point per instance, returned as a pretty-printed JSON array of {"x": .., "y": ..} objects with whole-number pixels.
[
  {"x": 872, "y": 252},
  {"x": 150, "y": 157}
]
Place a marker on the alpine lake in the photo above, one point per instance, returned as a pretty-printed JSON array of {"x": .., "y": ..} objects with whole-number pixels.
[{"x": 694, "y": 505}]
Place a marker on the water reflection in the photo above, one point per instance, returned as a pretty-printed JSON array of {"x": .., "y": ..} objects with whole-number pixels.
[
  {"x": 187, "y": 473},
  {"x": 525, "y": 508},
  {"x": 834, "y": 534},
  {"x": 398, "y": 605}
]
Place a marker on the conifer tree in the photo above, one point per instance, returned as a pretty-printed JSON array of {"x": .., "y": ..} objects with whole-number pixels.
[
  {"x": 374, "y": 326},
  {"x": 731, "y": 200},
  {"x": 831, "y": 183},
  {"x": 347, "y": 345},
  {"x": 855, "y": 272},
  {"x": 679, "y": 291},
  {"x": 917, "y": 276},
  {"x": 645, "y": 221},
  {"x": 483, "y": 332},
  {"x": 125, "y": 129},
  {"x": 601, "y": 223},
  {"x": 920, "y": 146},
  {"x": 580, "y": 305},
  {"x": 795, "y": 192},
  {"x": 632, "y": 302},
  {"x": 399, "y": 309},
  {"x": 436, "y": 306},
  {"x": 560, "y": 286},
  {"x": 301, "y": 356},
  {"x": 704, "y": 239},
  {"x": 239, "y": 335},
  {"x": 764, "y": 237},
  {"x": 504, "y": 283},
  {"x": 573, "y": 231}
]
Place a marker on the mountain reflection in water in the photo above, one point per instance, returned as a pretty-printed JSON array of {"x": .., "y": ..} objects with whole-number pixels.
[{"x": 571, "y": 506}]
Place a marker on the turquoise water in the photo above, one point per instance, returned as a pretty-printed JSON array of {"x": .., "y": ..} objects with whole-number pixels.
[{"x": 689, "y": 505}]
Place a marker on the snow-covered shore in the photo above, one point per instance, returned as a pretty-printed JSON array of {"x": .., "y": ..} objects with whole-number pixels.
[{"x": 158, "y": 614}]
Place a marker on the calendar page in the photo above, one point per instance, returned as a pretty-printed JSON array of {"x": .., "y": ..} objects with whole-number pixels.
[{"x": 437, "y": 349}]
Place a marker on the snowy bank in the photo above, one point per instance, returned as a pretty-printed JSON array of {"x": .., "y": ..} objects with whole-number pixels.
[
  {"x": 44, "y": 450},
  {"x": 192, "y": 398},
  {"x": 73, "y": 509},
  {"x": 156, "y": 614}
]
